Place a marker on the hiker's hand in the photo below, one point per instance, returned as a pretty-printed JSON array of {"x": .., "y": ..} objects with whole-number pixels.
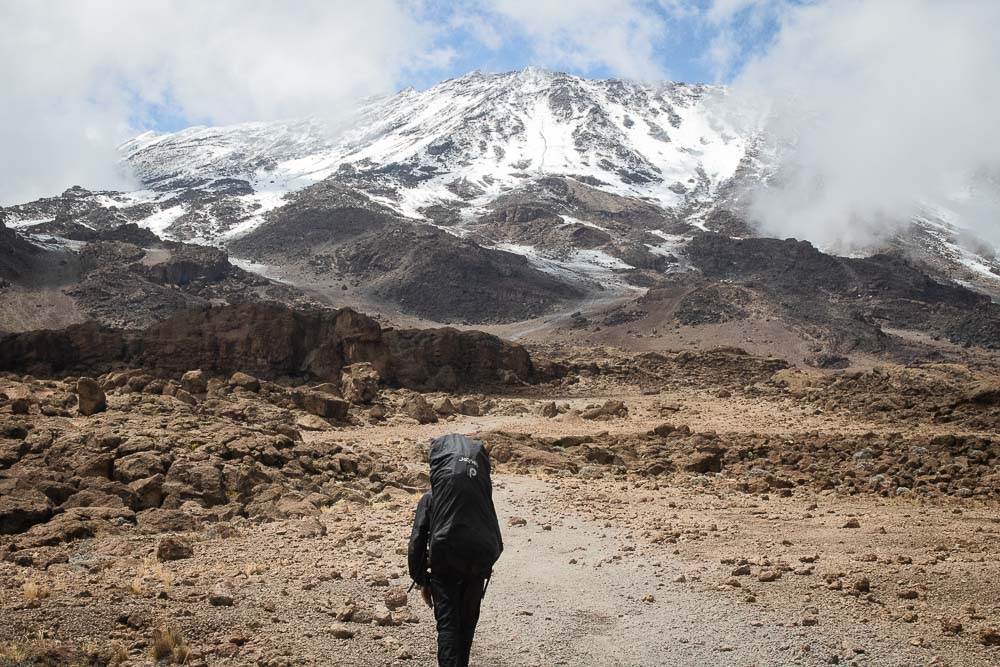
[{"x": 425, "y": 593}]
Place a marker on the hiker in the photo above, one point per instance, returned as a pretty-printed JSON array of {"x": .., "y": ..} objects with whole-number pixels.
[{"x": 455, "y": 542}]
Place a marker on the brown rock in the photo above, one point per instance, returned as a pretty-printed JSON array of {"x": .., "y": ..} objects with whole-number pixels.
[
  {"x": 221, "y": 596},
  {"x": 469, "y": 407},
  {"x": 139, "y": 466},
  {"x": 328, "y": 388},
  {"x": 951, "y": 626},
  {"x": 20, "y": 512},
  {"x": 445, "y": 407},
  {"x": 341, "y": 631},
  {"x": 312, "y": 423},
  {"x": 149, "y": 491},
  {"x": 184, "y": 396},
  {"x": 173, "y": 548},
  {"x": 359, "y": 383},
  {"x": 549, "y": 410},
  {"x": 195, "y": 382},
  {"x": 248, "y": 382},
  {"x": 610, "y": 410},
  {"x": 90, "y": 397},
  {"x": 416, "y": 406},
  {"x": 166, "y": 521},
  {"x": 395, "y": 597},
  {"x": 989, "y": 636},
  {"x": 321, "y": 405}
]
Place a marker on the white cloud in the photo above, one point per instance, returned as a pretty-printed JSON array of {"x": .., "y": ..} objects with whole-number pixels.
[
  {"x": 75, "y": 74},
  {"x": 619, "y": 35},
  {"x": 875, "y": 107}
]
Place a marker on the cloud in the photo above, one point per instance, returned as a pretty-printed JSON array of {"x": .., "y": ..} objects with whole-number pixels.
[
  {"x": 82, "y": 76},
  {"x": 874, "y": 110},
  {"x": 619, "y": 36}
]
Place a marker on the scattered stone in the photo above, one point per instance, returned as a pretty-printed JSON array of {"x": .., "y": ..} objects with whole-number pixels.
[
  {"x": 469, "y": 407},
  {"x": 951, "y": 626},
  {"x": 610, "y": 410},
  {"x": 244, "y": 381},
  {"x": 395, "y": 598},
  {"x": 517, "y": 521},
  {"x": 221, "y": 596},
  {"x": 445, "y": 407},
  {"x": 416, "y": 406},
  {"x": 341, "y": 631},
  {"x": 90, "y": 397},
  {"x": 852, "y": 523},
  {"x": 989, "y": 636}
]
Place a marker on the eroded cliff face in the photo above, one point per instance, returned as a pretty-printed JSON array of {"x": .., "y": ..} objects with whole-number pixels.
[{"x": 273, "y": 341}]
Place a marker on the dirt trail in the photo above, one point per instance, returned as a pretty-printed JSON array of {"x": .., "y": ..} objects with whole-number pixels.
[{"x": 542, "y": 610}]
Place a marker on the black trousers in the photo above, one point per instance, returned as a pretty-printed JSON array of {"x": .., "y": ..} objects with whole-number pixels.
[{"x": 456, "y": 609}]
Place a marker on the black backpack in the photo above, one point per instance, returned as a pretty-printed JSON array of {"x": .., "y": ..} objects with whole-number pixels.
[{"x": 465, "y": 534}]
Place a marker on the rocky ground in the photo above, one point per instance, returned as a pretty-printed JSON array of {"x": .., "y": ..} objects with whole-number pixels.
[{"x": 678, "y": 508}]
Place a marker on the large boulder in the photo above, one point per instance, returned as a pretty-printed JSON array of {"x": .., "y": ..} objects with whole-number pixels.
[
  {"x": 195, "y": 382},
  {"x": 20, "y": 512},
  {"x": 139, "y": 466},
  {"x": 321, "y": 405},
  {"x": 90, "y": 397},
  {"x": 359, "y": 383},
  {"x": 244, "y": 381},
  {"x": 417, "y": 407},
  {"x": 194, "y": 480}
]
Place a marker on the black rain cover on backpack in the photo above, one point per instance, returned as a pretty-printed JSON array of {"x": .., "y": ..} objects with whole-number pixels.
[{"x": 465, "y": 534}]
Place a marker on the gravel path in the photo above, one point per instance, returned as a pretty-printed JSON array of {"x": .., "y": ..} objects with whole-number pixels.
[{"x": 542, "y": 610}]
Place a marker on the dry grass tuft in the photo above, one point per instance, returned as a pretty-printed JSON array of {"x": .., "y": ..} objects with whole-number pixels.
[
  {"x": 168, "y": 643},
  {"x": 136, "y": 585},
  {"x": 35, "y": 592},
  {"x": 13, "y": 651},
  {"x": 252, "y": 568},
  {"x": 119, "y": 653}
]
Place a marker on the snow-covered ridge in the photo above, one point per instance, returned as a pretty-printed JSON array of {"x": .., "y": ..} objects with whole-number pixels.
[
  {"x": 447, "y": 155},
  {"x": 467, "y": 140}
]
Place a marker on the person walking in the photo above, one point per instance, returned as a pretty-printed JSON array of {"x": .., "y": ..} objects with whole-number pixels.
[{"x": 455, "y": 542}]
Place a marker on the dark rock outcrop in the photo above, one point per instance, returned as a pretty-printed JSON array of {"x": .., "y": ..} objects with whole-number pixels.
[{"x": 272, "y": 341}]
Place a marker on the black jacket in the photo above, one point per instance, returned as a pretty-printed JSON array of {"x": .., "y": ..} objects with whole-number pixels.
[{"x": 417, "y": 550}]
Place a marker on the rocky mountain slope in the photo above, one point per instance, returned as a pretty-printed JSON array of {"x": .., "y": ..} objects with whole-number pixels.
[{"x": 484, "y": 199}]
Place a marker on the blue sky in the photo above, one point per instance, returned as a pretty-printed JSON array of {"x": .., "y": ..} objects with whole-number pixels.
[
  {"x": 91, "y": 74},
  {"x": 681, "y": 50},
  {"x": 678, "y": 40}
]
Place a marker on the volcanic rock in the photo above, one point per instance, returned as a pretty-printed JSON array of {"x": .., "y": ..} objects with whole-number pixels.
[
  {"x": 359, "y": 383},
  {"x": 416, "y": 406},
  {"x": 90, "y": 396}
]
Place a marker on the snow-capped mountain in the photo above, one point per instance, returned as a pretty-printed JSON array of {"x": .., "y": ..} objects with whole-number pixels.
[
  {"x": 461, "y": 143},
  {"x": 580, "y": 176}
]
